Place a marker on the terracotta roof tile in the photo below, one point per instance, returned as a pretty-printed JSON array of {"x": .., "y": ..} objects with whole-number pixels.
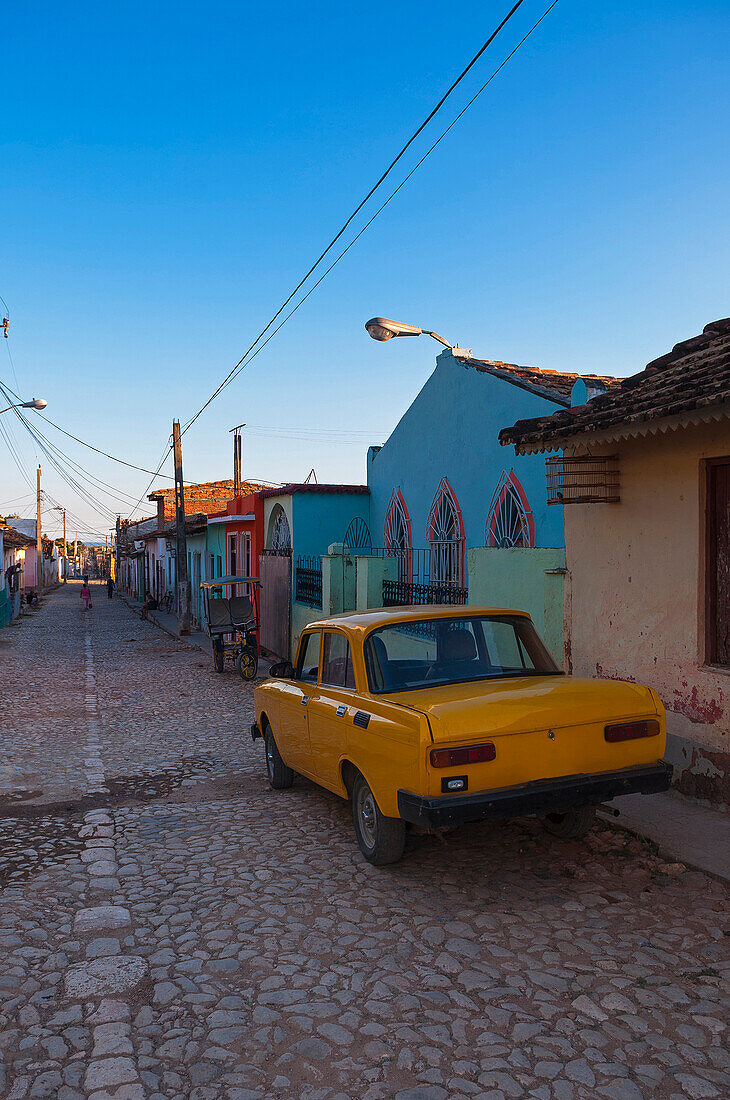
[
  {"x": 695, "y": 374},
  {"x": 558, "y": 382},
  {"x": 289, "y": 490}
]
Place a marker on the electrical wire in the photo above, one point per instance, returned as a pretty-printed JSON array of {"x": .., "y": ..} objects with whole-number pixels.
[
  {"x": 97, "y": 450},
  {"x": 358, "y": 208},
  {"x": 83, "y": 493},
  {"x": 382, "y": 207},
  {"x": 304, "y": 434}
]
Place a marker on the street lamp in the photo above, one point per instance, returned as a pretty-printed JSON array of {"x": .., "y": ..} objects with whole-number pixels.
[
  {"x": 381, "y": 328},
  {"x": 36, "y": 403}
]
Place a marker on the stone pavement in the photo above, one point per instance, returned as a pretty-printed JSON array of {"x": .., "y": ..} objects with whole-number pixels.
[
  {"x": 196, "y": 638},
  {"x": 170, "y": 927}
]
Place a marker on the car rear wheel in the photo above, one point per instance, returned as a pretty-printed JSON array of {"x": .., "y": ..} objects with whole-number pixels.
[
  {"x": 572, "y": 823},
  {"x": 381, "y": 839},
  {"x": 280, "y": 775}
]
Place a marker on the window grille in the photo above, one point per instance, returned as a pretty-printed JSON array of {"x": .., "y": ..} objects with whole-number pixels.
[
  {"x": 510, "y": 521},
  {"x": 446, "y": 538},
  {"x": 398, "y": 535},
  {"x": 308, "y": 580},
  {"x": 357, "y": 536},
  {"x": 280, "y": 533},
  {"x": 582, "y": 479}
]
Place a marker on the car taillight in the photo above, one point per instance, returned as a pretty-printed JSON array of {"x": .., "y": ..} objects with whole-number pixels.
[
  {"x": 630, "y": 731},
  {"x": 470, "y": 754}
]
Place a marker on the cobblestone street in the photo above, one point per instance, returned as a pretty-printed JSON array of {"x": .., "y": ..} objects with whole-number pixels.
[{"x": 170, "y": 927}]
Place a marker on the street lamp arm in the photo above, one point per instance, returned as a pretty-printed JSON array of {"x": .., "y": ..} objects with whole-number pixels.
[{"x": 436, "y": 336}]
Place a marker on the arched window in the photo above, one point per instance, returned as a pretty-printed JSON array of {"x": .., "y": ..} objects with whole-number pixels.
[
  {"x": 397, "y": 535},
  {"x": 510, "y": 521},
  {"x": 357, "y": 536},
  {"x": 446, "y": 538},
  {"x": 280, "y": 540}
]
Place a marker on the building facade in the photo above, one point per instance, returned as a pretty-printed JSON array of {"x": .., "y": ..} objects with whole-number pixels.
[
  {"x": 461, "y": 515},
  {"x": 645, "y": 476}
]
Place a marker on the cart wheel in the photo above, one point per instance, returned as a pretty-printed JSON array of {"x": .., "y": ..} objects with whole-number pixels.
[
  {"x": 219, "y": 658},
  {"x": 248, "y": 664}
]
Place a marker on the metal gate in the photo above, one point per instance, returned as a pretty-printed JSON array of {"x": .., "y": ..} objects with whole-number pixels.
[{"x": 275, "y": 611}]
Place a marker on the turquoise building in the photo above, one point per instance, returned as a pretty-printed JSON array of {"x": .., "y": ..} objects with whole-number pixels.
[{"x": 465, "y": 521}]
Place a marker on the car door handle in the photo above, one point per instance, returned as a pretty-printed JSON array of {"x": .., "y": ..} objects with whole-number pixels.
[
  {"x": 341, "y": 711},
  {"x": 305, "y": 700}
]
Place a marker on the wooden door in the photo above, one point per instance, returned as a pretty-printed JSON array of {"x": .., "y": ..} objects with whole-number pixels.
[
  {"x": 275, "y": 604},
  {"x": 718, "y": 562}
]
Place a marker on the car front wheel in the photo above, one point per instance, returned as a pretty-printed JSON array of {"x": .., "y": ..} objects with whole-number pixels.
[
  {"x": 280, "y": 775},
  {"x": 381, "y": 839},
  {"x": 572, "y": 823}
]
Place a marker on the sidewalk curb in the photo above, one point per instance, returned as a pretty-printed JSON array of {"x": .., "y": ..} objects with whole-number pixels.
[
  {"x": 667, "y": 854},
  {"x": 677, "y": 849},
  {"x": 161, "y": 626}
]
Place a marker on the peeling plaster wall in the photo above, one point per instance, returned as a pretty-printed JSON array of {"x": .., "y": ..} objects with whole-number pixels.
[{"x": 635, "y": 602}]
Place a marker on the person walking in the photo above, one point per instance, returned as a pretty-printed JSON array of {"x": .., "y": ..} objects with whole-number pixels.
[
  {"x": 109, "y": 587},
  {"x": 86, "y": 596}
]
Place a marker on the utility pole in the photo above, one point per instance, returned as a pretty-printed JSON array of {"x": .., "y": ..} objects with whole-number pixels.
[
  {"x": 181, "y": 549},
  {"x": 38, "y": 536},
  {"x": 236, "y": 458},
  {"x": 65, "y": 550}
]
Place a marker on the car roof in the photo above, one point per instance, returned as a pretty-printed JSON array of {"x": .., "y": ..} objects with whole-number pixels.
[{"x": 360, "y": 622}]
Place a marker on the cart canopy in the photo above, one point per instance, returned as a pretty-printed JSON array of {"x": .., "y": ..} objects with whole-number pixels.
[{"x": 222, "y": 582}]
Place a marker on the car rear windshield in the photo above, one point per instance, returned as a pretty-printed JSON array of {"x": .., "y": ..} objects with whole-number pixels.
[{"x": 435, "y": 652}]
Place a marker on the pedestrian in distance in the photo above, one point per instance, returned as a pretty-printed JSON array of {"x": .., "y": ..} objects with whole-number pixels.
[
  {"x": 86, "y": 596},
  {"x": 109, "y": 588}
]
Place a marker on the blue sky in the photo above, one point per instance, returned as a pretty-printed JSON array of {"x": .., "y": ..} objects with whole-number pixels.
[{"x": 169, "y": 171}]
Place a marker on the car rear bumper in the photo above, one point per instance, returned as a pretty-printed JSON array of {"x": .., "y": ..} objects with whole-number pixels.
[{"x": 541, "y": 797}]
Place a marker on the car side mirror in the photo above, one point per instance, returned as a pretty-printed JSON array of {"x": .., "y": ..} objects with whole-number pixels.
[{"x": 283, "y": 669}]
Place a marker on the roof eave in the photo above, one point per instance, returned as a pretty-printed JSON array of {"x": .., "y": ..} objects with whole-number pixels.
[{"x": 623, "y": 430}]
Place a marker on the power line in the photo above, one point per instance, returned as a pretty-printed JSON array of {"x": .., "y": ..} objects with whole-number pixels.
[
  {"x": 392, "y": 195},
  {"x": 359, "y": 207},
  {"x": 90, "y": 447}
]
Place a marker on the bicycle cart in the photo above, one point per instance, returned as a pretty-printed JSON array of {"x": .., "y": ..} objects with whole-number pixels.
[{"x": 232, "y": 623}]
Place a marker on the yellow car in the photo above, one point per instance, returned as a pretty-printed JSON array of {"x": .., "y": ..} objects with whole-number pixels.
[{"x": 436, "y": 716}]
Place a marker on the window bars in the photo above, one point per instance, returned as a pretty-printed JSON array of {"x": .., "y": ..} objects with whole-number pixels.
[
  {"x": 280, "y": 533},
  {"x": 446, "y": 539},
  {"x": 582, "y": 479},
  {"x": 509, "y": 520},
  {"x": 308, "y": 580},
  {"x": 357, "y": 537}
]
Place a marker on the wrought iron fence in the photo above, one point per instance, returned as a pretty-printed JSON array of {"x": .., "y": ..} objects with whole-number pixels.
[
  {"x": 433, "y": 574},
  {"x": 308, "y": 581},
  {"x": 403, "y": 594}
]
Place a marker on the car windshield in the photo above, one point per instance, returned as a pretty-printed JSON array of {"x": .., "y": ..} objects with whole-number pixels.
[{"x": 434, "y": 652}]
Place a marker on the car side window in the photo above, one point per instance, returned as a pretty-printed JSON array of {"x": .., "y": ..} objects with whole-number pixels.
[
  {"x": 337, "y": 670},
  {"x": 308, "y": 663}
]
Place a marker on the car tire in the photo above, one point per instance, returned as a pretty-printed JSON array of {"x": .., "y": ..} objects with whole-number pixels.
[
  {"x": 572, "y": 823},
  {"x": 381, "y": 839},
  {"x": 280, "y": 775},
  {"x": 219, "y": 659}
]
